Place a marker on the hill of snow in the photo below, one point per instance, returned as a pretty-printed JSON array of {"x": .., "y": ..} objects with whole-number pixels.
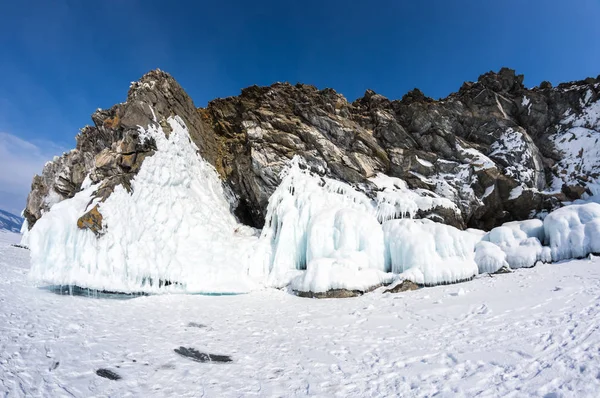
[{"x": 10, "y": 222}]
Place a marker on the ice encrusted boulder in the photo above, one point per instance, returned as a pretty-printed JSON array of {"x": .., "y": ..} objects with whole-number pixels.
[
  {"x": 429, "y": 253},
  {"x": 489, "y": 257},
  {"x": 521, "y": 243},
  {"x": 573, "y": 231}
]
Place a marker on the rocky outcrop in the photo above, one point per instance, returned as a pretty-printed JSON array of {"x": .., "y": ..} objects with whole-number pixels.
[
  {"x": 495, "y": 148},
  {"x": 404, "y": 286}
]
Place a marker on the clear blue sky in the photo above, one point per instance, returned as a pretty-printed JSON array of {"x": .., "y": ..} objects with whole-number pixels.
[{"x": 60, "y": 60}]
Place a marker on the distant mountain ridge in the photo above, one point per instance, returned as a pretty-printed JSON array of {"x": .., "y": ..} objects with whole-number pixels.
[{"x": 10, "y": 222}]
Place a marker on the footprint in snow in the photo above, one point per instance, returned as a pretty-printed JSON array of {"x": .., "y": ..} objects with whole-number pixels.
[{"x": 196, "y": 325}]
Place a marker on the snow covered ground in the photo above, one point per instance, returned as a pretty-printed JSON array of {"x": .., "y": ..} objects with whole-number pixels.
[{"x": 535, "y": 332}]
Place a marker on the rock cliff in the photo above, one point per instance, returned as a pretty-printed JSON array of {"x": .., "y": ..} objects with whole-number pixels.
[{"x": 497, "y": 150}]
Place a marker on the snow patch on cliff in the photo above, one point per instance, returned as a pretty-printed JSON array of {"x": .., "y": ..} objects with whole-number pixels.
[{"x": 578, "y": 140}]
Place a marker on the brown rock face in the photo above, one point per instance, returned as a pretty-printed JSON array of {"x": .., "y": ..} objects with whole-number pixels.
[
  {"x": 335, "y": 293},
  {"x": 91, "y": 220},
  {"x": 489, "y": 148}
]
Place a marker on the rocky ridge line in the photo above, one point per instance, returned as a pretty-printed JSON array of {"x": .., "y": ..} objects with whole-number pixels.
[{"x": 491, "y": 147}]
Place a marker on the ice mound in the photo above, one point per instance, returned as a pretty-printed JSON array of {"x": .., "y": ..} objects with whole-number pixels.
[
  {"x": 345, "y": 250},
  {"x": 326, "y": 274},
  {"x": 174, "y": 232},
  {"x": 429, "y": 253},
  {"x": 305, "y": 204},
  {"x": 521, "y": 241},
  {"x": 314, "y": 217},
  {"x": 573, "y": 231},
  {"x": 489, "y": 257},
  {"x": 346, "y": 234}
]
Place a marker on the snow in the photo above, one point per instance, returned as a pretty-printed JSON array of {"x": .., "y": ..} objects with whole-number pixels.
[
  {"x": 573, "y": 231},
  {"x": 580, "y": 149},
  {"x": 589, "y": 117},
  {"x": 526, "y": 102},
  {"x": 168, "y": 235},
  {"x": 534, "y": 332},
  {"x": 428, "y": 253},
  {"x": 424, "y": 162},
  {"x": 515, "y": 192},
  {"x": 396, "y": 200},
  {"x": 488, "y": 191},
  {"x": 578, "y": 141}
]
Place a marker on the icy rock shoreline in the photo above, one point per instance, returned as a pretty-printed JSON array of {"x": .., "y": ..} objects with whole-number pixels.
[{"x": 322, "y": 237}]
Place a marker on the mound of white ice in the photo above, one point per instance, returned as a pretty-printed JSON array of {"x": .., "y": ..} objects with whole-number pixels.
[
  {"x": 429, "y": 253},
  {"x": 489, "y": 257},
  {"x": 521, "y": 242},
  {"x": 573, "y": 231},
  {"x": 326, "y": 274}
]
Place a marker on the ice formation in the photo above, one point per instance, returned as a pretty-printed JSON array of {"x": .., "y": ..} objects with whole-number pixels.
[
  {"x": 310, "y": 217},
  {"x": 573, "y": 231},
  {"x": 521, "y": 241},
  {"x": 429, "y": 253},
  {"x": 175, "y": 231},
  {"x": 396, "y": 200},
  {"x": 325, "y": 274},
  {"x": 489, "y": 257}
]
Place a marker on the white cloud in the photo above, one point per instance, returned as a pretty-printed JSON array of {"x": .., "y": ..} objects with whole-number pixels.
[{"x": 20, "y": 160}]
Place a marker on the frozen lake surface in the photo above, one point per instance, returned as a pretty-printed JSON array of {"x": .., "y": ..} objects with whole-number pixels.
[{"x": 535, "y": 332}]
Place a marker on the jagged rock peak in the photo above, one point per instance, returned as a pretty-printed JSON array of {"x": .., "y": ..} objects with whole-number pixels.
[{"x": 495, "y": 149}]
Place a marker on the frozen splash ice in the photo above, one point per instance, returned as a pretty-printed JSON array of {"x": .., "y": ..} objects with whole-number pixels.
[{"x": 176, "y": 227}]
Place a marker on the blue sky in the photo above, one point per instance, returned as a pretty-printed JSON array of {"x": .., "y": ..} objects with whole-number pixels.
[{"x": 61, "y": 60}]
